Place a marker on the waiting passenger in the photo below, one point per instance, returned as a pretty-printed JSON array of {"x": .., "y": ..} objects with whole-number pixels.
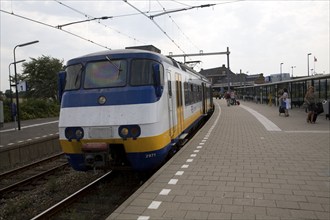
[
  {"x": 285, "y": 102},
  {"x": 310, "y": 101},
  {"x": 233, "y": 97},
  {"x": 227, "y": 97}
]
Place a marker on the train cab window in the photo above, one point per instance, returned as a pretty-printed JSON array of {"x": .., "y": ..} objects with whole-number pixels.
[
  {"x": 142, "y": 72},
  {"x": 73, "y": 77},
  {"x": 106, "y": 73}
]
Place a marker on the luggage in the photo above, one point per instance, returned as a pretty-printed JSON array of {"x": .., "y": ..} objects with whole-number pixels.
[
  {"x": 281, "y": 110},
  {"x": 319, "y": 108},
  {"x": 326, "y": 107},
  {"x": 314, "y": 117}
]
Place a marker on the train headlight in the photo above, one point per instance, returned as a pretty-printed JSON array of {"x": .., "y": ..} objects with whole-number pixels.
[
  {"x": 69, "y": 134},
  {"x": 79, "y": 134},
  {"x": 102, "y": 100},
  {"x": 72, "y": 133},
  {"x": 123, "y": 132},
  {"x": 135, "y": 131},
  {"x": 129, "y": 131}
]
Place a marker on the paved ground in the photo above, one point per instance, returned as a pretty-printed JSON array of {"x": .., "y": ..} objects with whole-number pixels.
[
  {"x": 30, "y": 129},
  {"x": 247, "y": 162}
]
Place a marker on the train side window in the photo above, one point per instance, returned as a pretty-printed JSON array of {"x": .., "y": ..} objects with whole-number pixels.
[
  {"x": 186, "y": 93},
  {"x": 169, "y": 88},
  {"x": 73, "y": 77},
  {"x": 142, "y": 72}
]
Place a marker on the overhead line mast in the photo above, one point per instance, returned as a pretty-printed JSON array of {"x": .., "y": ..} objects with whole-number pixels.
[{"x": 206, "y": 54}]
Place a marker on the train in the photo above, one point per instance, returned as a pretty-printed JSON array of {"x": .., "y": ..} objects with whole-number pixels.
[{"x": 128, "y": 108}]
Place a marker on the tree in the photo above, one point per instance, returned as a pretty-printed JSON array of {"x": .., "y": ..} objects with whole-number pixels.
[{"x": 41, "y": 77}]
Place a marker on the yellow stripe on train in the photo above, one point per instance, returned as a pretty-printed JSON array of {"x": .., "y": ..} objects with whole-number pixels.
[{"x": 142, "y": 144}]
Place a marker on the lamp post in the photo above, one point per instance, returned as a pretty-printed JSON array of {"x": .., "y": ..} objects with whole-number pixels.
[
  {"x": 228, "y": 69},
  {"x": 11, "y": 85},
  {"x": 17, "y": 100},
  {"x": 308, "y": 63},
  {"x": 292, "y": 70},
  {"x": 281, "y": 70}
]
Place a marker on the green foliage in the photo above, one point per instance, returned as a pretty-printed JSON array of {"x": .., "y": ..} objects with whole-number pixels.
[
  {"x": 6, "y": 110},
  {"x": 37, "y": 108},
  {"x": 41, "y": 77},
  {"x": 40, "y": 100},
  {"x": 32, "y": 109}
]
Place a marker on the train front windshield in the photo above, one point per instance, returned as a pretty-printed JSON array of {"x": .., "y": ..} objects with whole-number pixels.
[
  {"x": 105, "y": 74},
  {"x": 114, "y": 73}
]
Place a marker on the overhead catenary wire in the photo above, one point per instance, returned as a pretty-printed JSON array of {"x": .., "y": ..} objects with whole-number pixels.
[
  {"x": 51, "y": 26},
  {"x": 170, "y": 17},
  {"x": 106, "y": 26},
  {"x": 159, "y": 27}
]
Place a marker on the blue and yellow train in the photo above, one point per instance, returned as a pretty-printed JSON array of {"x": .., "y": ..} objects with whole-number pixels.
[{"x": 128, "y": 107}]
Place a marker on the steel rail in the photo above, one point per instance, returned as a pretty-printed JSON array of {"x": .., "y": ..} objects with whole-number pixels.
[
  {"x": 67, "y": 201},
  {"x": 30, "y": 179},
  {"x": 29, "y": 166}
]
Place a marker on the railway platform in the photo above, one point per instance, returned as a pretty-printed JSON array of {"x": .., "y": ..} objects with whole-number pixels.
[
  {"x": 37, "y": 139},
  {"x": 30, "y": 130},
  {"x": 247, "y": 162}
]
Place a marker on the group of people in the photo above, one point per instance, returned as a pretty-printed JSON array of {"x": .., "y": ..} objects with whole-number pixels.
[
  {"x": 310, "y": 102},
  {"x": 231, "y": 98}
]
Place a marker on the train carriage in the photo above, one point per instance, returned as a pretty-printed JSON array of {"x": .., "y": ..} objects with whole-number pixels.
[{"x": 128, "y": 107}]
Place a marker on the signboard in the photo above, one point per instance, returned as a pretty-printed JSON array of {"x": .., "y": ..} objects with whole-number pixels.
[{"x": 22, "y": 86}]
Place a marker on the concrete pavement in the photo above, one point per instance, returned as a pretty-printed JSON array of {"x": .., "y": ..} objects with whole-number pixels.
[{"x": 247, "y": 162}]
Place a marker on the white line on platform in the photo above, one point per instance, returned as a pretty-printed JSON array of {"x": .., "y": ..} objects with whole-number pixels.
[
  {"x": 179, "y": 173},
  {"x": 173, "y": 181},
  {"x": 269, "y": 125},
  {"x": 143, "y": 218},
  {"x": 185, "y": 166},
  {"x": 29, "y": 126},
  {"x": 165, "y": 192},
  {"x": 316, "y": 132},
  {"x": 154, "y": 205}
]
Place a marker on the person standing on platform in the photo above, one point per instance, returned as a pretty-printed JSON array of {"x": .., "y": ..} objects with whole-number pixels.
[
  {"x": 310, "y": 101},
  {"x": 227, "y": 97},
  {"x": 284, "y": 101}
]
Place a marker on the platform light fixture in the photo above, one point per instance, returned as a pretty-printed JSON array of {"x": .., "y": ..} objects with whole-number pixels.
[
  {"x": 17, "y": 100},
  {"x": 281, "y": 70},
  {"x": 292, "y": 70},
  {"x": 308, "y": 63}
]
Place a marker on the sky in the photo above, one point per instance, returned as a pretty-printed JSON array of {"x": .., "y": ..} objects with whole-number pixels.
[{"x": 260, "y": 35}]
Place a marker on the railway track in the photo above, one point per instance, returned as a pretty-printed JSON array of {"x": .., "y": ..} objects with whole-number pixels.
[
  {"x": 17, "y": 179},
  {"x": 96, "y": 200}
]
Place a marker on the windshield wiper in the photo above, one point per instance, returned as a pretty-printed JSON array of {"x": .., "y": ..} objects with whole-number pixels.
[{"x": 118, "y": 67}]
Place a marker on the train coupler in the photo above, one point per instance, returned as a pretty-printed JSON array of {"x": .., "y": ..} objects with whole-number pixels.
[{"x": 96, "y": 154}]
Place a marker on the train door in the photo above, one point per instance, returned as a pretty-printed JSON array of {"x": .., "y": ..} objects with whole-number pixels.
[
  {"x": 179, "y": 106},
  {"x": 170, "y": 106},
  {"x": 204, "y": 98}
]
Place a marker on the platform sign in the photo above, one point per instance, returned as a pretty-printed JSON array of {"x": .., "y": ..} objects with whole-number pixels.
[{"x": 22, "y": 86}]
